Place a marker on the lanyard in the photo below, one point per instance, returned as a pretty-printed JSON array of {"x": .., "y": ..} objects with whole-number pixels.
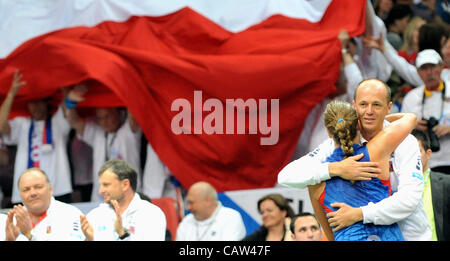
[
  {"x": 47, "y": 138},
  {"x": 442, "y": 104}
]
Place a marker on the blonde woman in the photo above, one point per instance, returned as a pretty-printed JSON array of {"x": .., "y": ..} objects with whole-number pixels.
[
  {"x": 410, "y": 46},
  {"x": 341, "y": 122}
]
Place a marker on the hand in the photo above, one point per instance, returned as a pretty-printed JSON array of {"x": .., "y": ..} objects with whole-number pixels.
[
  {"x": 16, "y": 83},
  {"x": 118, "y": 223},
  {"x": 345, "y": 216},
  {"x": 422, "y": 125},
  {"x": 372, "y": 42},
  {"x": 12, "y": 231},
  {"x": 441, "y": 130},
  {"x": 343, "y": 38},
  {"x": 23, "y": 220},
  {"x": 87, "y": 229},
  {"x": 77, "y": 92},
  {"x": 351, "y": 169}
]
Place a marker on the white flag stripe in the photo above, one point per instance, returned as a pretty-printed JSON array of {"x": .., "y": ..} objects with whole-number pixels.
[{"x": 21, "y": 20}]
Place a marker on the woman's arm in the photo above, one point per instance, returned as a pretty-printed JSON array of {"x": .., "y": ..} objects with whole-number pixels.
[
  {"x": 387, "y": 140},
  {"x": 314, "y": 194}
]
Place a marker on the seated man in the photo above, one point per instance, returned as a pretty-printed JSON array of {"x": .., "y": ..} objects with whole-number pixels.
[
  {"x": 42, "y": 218},
  {"x": 209, "y": 220},
  {"x": 123, "y": 215}
]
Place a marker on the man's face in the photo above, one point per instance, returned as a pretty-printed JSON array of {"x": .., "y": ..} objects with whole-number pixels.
[
  {"x": 197, "y": 205},
  {"x": 38, "y": 109},
  {"x": 35, "y": 192},
  {"x": 111, "y": 188},
  {"x": 424, "y": 156},
  {"x": 372, "y": 106},
  {"x": 430, "y": 75},
  {"x": 108, "y": 118},
  {"x": 307, "y": 229}
]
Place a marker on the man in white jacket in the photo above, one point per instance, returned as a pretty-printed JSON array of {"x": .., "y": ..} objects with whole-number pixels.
[
  {"x": 123, "y": 215},
  {"x": 209, "y": 220},
  {"x": 372, "y": 102},
  {"x": 432, "y": 100},
  {"x": 42, "y": 218}
]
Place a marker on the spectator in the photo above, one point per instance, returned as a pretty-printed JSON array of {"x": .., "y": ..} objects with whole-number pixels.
[
  {"x": 41, "y": 141},
  {"x": 408, "y": 51},
  {"x": 437, "y": 185},
  {"x": 209, "y": 220},
  {"x": 305, "y": 227},
  {"x": 434, "y": 11},
  {"x": 383, "y": 7},
  {"x": 429, "y": 101},
  {"x": 276, "y": 215},
  {"x": 123, "y": 215},
  {"x": 111, "y": 137},
  {"x": 396, "y": 22},
  {"x": 42, "y": 218},
  {"x": 80, "y": 155},
  {"x": 405, "y": 205},
  {"x": 431, "y": 36},
  {"x": 410, "y": 46}
]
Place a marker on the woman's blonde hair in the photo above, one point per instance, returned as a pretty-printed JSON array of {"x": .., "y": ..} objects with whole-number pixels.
[
  {"x": 340, "y": 119},
  {"x": 409, "y": 34}
]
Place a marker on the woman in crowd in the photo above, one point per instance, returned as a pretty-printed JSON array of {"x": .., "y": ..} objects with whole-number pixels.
[{"x": 276, "y": 216}]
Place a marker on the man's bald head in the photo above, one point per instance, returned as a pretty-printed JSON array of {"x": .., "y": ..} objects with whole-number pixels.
[
  {"x": 373, "y": 83},
  {"x": 204, "y": 190},
  {"x": 202, "y": 200}
]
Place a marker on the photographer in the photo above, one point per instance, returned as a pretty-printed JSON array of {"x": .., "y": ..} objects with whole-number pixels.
[{"x": 431, "y": 103}]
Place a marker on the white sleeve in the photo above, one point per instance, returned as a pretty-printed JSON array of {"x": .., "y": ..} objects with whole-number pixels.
[
  {"x": 404, "y": 69},
  {"x": 308, "y": 170},
  {"x": 235, "y": 230},
  {"x": 151, "y": 226},
  {"x": 354, "y": 77},
  {"x": 15, "y": 125},
  {"x": 181, "y": 230},
  {"x": 59, "y": 119},
  {"x": 89, "y": 132},
  {"x": 407, "y": 166}
]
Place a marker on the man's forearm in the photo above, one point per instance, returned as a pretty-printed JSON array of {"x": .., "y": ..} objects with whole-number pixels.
[
  {"x": 310, "y": 169},
  {"x": 303, "y": 172}
]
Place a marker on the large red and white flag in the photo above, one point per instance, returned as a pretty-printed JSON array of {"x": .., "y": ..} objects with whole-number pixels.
[{"x": 221, "y": 90}]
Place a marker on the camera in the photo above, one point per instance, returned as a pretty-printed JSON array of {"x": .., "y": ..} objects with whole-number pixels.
[{"x": 434, "y": 140}]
